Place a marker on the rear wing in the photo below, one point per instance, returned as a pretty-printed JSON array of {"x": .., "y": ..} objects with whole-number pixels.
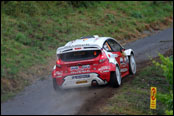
[{"x": 79, "y": 47}]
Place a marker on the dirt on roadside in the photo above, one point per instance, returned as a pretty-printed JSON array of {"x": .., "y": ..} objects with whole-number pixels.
[{"x": 94, "y": 104}]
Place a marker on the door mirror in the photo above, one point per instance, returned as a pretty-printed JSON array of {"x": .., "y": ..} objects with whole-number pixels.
[{"x": 122, "y": 49}]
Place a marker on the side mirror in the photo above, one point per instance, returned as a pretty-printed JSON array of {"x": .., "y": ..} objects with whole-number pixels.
[{"x": 122, "y": 49}]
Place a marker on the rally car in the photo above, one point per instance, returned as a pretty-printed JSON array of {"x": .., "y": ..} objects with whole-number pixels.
[{"x": 91, "y": 61}]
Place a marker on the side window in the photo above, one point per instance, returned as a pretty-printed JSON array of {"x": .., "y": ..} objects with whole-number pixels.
[
  {"x": 114, "y": 45},
  {"x": 107, "y": 47}
]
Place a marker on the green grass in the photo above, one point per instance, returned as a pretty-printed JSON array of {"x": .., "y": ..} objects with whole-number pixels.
[
  {"x": 134, "y": 97},
  {"x": 32, "y": 31},
  {"x": 8, "y": 96}
]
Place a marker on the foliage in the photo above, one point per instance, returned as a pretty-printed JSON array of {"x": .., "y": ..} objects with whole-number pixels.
[
  {"x": 167, "y": 67},
  {"x": 169, "y": 112}
]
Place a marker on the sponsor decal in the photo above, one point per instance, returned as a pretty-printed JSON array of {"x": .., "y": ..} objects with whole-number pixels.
[
  {"x": 121, "y": 60},
  {"x": 124, "y": 61},
  {"x": 103, "y": 68},
  {"x": 85, "y": 71},
  {"x": 79, "y": 69},
  {"x": 80, "y": 76},
  {"x": 74, "y": 67},
  {"x": 77, "y": 48},
  {"x": 86, "y": 66},
  {"x": 106, "y": 71},
  {"x": 59, "y": 72},
  {"x": 124, "y": 64},
  {"x": 123, "y": 70}
]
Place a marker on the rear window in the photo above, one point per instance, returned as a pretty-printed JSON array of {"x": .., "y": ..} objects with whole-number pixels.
[{"x": 79, "y": 55}]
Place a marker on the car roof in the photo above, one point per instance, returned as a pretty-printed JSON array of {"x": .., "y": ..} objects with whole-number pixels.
[{"x": 91, "y": 40}]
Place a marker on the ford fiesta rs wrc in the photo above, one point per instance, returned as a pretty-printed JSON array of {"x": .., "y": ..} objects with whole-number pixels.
[{"x": 92, "y": 60}]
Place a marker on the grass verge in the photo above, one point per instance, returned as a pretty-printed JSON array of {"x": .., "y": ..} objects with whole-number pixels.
[{"x": 134, "y": 97}]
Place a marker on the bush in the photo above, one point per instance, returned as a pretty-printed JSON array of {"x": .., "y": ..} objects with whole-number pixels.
[{"x": 167, "y": 67}]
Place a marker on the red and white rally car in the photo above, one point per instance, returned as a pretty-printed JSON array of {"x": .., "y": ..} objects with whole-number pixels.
[{"x": 92, "y": 60}]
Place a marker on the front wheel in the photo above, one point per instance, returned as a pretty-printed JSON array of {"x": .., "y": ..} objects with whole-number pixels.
[
  {"x": 115, "y": 80},
  {"x": 132, "y": 65}
]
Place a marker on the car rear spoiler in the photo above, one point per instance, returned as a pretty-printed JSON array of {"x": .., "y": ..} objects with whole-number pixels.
[{"x": 79, "y": 47}]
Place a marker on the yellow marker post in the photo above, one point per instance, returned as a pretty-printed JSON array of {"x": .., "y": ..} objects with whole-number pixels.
[{"x": 153, "y": 98}]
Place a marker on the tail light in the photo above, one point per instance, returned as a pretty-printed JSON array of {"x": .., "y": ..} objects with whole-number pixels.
[
  {"x": 58, "y": 63},
  {"x": 103, "y": 57}
]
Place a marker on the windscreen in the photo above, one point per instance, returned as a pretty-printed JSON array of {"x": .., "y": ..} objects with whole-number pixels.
[{"x": 79, "y": 55}]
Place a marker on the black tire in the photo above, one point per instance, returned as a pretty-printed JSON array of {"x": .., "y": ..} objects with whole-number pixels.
[
  {"x": 55, "y": 86},
  {"x": 114, "y": 82},
  {"x": 131, "y": 69}
]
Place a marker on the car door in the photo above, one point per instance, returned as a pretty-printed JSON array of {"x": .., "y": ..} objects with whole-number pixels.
[{"x": 121, "y": 58}]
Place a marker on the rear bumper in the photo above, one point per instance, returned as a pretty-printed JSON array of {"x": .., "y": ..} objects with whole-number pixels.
[
  {"x": 99, "y": 72},
  {"x": 81, "y": 80}
]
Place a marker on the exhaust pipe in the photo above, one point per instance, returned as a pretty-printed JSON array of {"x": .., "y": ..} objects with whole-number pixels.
[{"x": 94, "y": 83}]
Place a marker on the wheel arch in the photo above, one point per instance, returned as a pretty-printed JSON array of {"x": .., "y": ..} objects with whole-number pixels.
[
  {"x": 113, "y": 66},
  {"x": 128, "y": 52}
]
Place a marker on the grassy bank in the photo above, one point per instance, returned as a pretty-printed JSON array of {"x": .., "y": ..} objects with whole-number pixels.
[
  {"x": 32, "y": 31},
  {"x": 134, "y": 97}
]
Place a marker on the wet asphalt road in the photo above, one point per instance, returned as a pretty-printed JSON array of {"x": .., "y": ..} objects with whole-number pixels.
[
  {"x": 40, "y": 98},
  {"x": 150, "y": 46}
]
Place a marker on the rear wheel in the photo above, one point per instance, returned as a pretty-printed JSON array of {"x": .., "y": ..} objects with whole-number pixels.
[
  {"x": 55, "y": 86},
  {"x": 132, "y": 65},
  {"x": 115, "y": 80}
]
